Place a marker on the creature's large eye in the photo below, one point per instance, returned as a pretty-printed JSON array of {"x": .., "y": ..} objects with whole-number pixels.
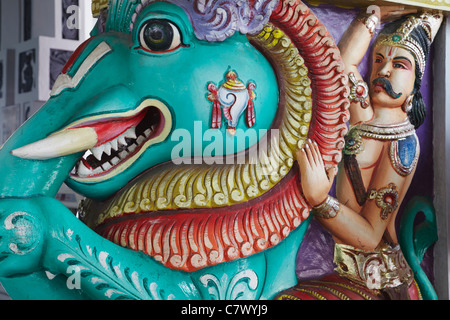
[{"x": 159, "y": 35}]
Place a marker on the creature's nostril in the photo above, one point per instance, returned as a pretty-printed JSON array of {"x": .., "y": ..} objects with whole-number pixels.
[{"x": 25, "y": 232}]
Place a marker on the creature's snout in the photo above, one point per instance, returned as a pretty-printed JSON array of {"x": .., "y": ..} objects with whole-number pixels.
[{"x": 110, "y": 142}]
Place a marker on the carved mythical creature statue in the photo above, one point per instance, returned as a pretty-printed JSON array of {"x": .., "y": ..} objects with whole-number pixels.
[
  {"x": 380, "y": 158},
  {"x": 179, "y": 121}
]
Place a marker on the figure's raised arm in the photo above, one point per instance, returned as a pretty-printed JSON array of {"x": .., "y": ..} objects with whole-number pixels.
[
  {"x": 354, "y": 45},
  {"x": 356, "y": 40}
]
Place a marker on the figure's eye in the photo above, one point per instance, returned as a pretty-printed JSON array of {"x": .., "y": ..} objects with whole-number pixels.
[
  {"x": 399, "y": 66},
  {"x": 158, "y": 35}
]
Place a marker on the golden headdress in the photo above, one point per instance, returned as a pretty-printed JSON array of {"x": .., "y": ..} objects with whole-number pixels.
[
  {"x": 404, "y": 37},
  {"x": 98, "y": 5}
]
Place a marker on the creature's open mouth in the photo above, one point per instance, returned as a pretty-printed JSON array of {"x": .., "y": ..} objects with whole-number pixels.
[
  {"x": 111, "y": 142},
  {"x": 133, "y": 133},
  {"x": 121, "y": 140}
]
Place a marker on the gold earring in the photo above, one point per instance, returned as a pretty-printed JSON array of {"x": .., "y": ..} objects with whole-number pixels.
[{"x": 407, "y": 105}]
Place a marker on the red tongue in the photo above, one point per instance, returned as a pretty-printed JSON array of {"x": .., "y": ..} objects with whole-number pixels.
[{"x": 108, "y": 129}]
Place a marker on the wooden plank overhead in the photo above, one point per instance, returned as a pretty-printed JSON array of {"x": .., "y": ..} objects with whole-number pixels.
[{"x": 429, "y": 4}]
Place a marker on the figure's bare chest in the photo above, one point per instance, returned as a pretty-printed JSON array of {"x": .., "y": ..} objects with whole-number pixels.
[
  {"x": 371, "y": 153},
  {"x": 366, "y": 150}
]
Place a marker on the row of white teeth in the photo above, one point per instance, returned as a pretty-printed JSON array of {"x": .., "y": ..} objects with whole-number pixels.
[{"x": 109, "y": 146}]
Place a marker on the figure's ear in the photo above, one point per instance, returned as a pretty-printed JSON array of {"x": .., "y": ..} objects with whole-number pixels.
[{"x": 407, "y": 105}]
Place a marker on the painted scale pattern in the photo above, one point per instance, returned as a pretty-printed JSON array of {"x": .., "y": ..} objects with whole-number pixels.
[
  {"x": 330, "y": 91},
  {"x": 196, "y": 239}
]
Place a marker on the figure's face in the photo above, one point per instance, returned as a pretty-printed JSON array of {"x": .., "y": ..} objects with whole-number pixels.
[{"x": 392, "y": 78}]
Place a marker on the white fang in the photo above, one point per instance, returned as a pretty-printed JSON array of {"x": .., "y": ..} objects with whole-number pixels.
[{"x": 59, "y": 144}]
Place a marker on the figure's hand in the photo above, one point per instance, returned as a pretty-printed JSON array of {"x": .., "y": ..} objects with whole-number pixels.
[
  {"x": 390, "y": 13},
  {"x": 315, "y": 180}
]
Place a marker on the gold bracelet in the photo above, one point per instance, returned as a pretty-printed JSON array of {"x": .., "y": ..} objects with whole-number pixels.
[
  {"x": 371, "y": 22},
  {"x": 328, "y": 209}
]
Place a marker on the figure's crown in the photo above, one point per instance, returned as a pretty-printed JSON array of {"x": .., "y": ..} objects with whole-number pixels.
[
  {"x": 402, "y": 37},
  {"x": 97, "y": 6}
]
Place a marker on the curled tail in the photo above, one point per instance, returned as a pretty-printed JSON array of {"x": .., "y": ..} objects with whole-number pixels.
[{"x": 415, "y": 240}]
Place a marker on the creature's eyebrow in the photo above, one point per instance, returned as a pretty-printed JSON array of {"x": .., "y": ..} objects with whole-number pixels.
[
  {"x": 64, "y": 81},
  {"x": 379, "y": 54}
]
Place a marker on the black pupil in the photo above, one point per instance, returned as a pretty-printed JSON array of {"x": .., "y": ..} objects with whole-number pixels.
[{"x": 158, "y": 35}]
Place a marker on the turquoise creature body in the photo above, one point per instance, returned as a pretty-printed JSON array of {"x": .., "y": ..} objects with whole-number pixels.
[{"x": 114, "y": 76}]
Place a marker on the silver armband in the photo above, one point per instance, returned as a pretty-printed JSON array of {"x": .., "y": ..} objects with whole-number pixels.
[{"x": 327, "y": 209}]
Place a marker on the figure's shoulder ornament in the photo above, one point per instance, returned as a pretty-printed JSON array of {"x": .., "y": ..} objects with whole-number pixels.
[
  {"x": 404, "y": 146},
  {"x": 404, "y": 154}
]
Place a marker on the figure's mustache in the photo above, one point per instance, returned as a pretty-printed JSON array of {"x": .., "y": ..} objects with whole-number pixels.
[{"x": 387, "y": 86}]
